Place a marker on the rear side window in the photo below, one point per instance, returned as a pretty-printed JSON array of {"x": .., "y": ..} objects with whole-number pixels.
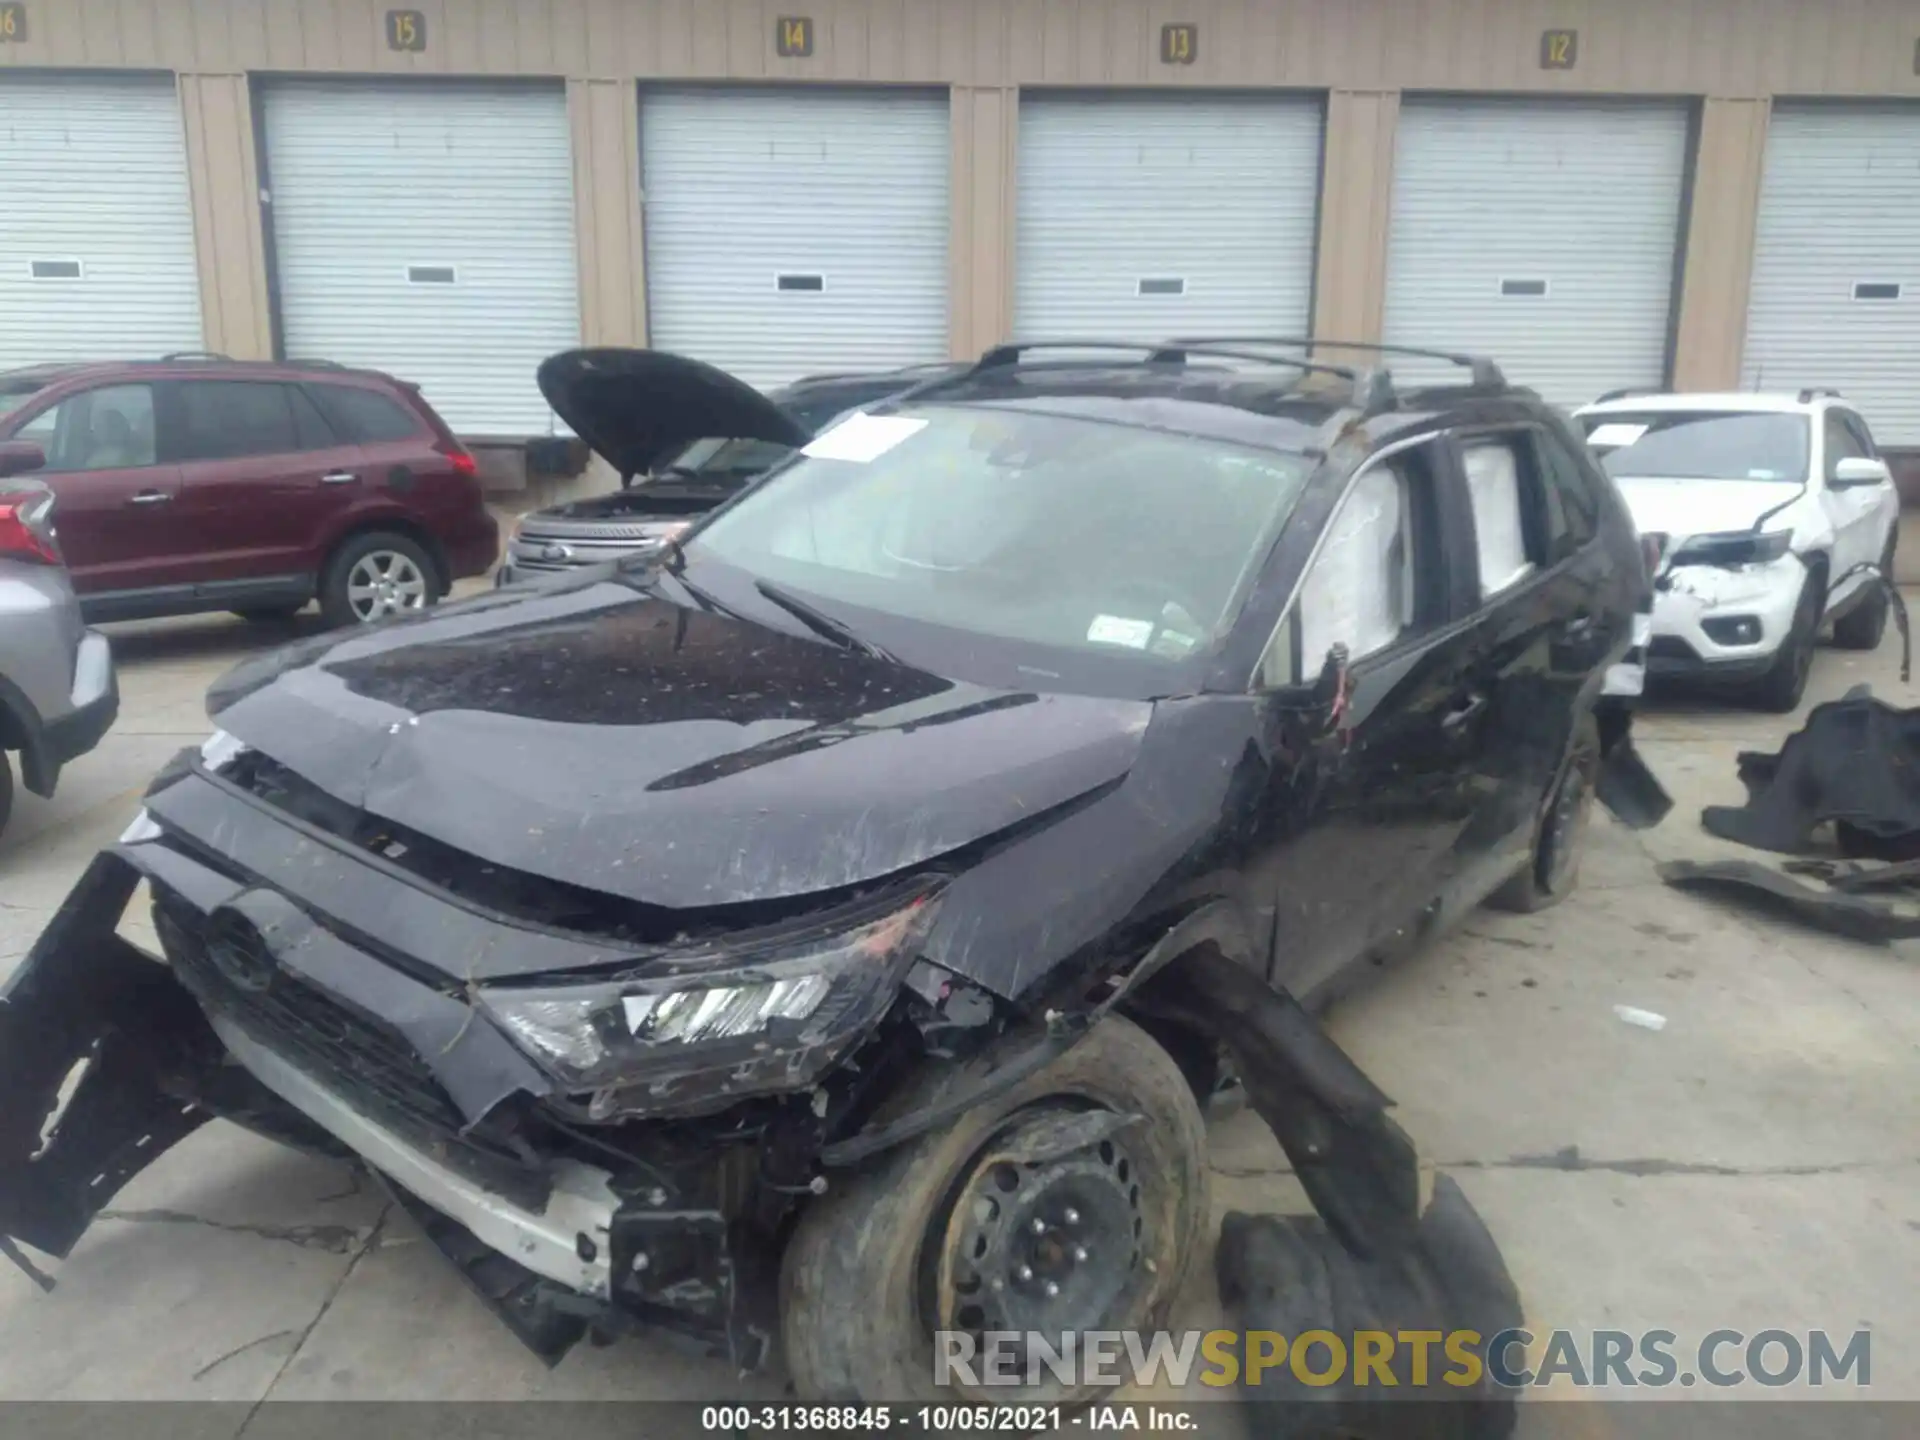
[
  {"x": 1499, "y": 514},
  {"x": 1570, "y": 509},
  {"x": 230, "y": 419},
  {"x": 365, "y": 416}
]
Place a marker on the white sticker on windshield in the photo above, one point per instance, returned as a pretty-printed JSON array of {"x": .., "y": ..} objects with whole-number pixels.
[
  {"x": 1618, "y": 433},
  {"x": 861, "y": 438},
  {"x": 1118, "y": 630}
]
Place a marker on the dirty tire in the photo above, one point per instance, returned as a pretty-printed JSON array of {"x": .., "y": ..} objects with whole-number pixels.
[
  {"x": 1862, "y": 627},
  {"x": 336, "y": 603},
  {"x": 856, "y": 1305},
  {"x": 1781, "y": 688},
  {"x": 1560, "y": 835}
]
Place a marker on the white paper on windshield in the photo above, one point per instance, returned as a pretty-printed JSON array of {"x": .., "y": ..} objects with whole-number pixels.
[
  {"x": 1118, "y": 630},
  {"x": 1618, "y": 433},
  {"x": 861, "y": 438}
]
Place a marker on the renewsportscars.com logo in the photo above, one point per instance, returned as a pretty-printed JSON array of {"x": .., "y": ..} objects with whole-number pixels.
[{"x": 1463, "y": 1359}]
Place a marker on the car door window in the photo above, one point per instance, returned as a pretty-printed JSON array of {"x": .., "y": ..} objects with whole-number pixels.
[
  {"x": 106, "y": 429},
  {"x": 230, "y": 419},
  {"x": 1841, "y": 443},
  {"x": 1365, "y": 586},
  {"x": 310, "y": 428},
  {"x": 1493, "y": 473},
  {"x": 1570, "y": 510},
  {"x": 1861, "y": 435}
]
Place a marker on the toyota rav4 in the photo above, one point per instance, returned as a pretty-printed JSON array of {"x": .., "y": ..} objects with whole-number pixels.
[{"x": 824, "y": 928}]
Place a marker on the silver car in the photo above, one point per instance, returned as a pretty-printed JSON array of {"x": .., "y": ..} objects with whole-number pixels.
[{"x": 58, "y": 693}]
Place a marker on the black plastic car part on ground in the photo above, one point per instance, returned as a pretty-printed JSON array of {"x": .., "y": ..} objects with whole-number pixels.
[
  {"x": 760, "y": 946},
  {"x": 683, "y": 442}
]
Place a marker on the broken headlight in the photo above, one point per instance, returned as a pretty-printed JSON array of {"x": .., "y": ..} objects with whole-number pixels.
[
  {"x": 723, "y": 1022},
  {"x": 1735, "y": 547}
]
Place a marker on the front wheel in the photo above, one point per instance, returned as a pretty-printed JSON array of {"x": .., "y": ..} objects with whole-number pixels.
[
  {"x": 1862, "y": 627},
  {"x": 374, "y": 576},
  {"x": 1046, "y": 1209},
  {"x": 1785, "y": 682}
]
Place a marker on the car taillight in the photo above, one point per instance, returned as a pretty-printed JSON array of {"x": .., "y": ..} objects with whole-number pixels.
[
  {"x": 464, "y": 464},
  {"x": 26, "y": 527}
]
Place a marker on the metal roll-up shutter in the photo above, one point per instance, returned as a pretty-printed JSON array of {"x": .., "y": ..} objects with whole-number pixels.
[
  {"x": 96, "y": 225},
  {"x": 1836, "y": 265},
  {"x": 791, "y": 232},
  {"x": 1152, "y": 216},
  {"x": 1543, "y": 233},
  {"x": 427, "y": 230}
]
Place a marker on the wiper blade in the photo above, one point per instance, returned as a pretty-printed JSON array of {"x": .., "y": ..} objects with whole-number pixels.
[{"x": 819, "y": 621}]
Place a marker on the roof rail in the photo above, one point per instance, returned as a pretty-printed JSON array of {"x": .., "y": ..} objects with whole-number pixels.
[
  {"x": 1486, "y": 374},
  {"x": 1373, "y": 391},
  {"x": 924, "y": 367},
  {"x": 1806, "y": 395},
  {"x": 1628, "y": 391},
  {"x": 313, "y": 364},
  {"x": 195, "y": 355}
]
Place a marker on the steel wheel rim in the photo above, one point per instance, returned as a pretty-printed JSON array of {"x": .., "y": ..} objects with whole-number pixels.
[
  {"x": 1049, "y": 1247},
  {"x": 383, "y": 583}
]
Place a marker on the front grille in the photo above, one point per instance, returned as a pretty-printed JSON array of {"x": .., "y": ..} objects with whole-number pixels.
[{"x": 366, "y": 1062}]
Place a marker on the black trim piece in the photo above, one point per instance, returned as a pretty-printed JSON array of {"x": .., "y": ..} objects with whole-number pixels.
[{"x": 196, "y": 599}]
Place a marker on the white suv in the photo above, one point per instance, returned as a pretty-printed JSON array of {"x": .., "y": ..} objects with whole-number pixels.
[{"x": 1771, "y": 515}]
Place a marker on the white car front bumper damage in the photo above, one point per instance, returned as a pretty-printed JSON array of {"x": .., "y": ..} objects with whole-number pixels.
[{"x": 1712, "y": 619}]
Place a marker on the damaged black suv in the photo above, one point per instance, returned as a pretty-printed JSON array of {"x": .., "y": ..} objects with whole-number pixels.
[{"x": 824, "y": 930}]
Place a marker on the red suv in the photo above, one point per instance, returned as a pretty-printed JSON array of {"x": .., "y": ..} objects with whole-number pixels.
[{"x": 192, "y": 484}]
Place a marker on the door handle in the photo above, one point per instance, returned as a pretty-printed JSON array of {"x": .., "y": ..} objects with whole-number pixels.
[
  {"x": 1463, "y": 711},
  {"x": 339, "y": 477},
  {"x": 149, "y": 497}
]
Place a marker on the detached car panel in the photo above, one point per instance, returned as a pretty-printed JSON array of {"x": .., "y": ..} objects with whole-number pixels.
[{"x": 764, "y": 947}]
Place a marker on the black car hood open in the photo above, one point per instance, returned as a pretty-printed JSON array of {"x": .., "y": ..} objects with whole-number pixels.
[
  {"x": 637, "y": 407},
  {"x": 603, "y": 736}
]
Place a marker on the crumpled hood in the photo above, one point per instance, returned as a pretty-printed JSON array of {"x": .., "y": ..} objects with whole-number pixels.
[
  {"x": 606, "y": 737},
  {"x": 1701, "y": 507},
  {"x": 637, "y": 407}
]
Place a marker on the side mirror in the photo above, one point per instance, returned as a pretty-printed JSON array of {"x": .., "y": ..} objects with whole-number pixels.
[
  {"x": 1859, "y": 470},
  {"x": 1332, "y": 689},
  {"x": 18, "y": 457}
]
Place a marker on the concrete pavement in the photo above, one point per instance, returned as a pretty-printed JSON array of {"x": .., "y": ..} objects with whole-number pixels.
[{"x": 1755, "y": 1163}]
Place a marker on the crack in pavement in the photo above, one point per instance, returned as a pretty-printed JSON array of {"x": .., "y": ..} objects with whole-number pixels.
[
  {"x": 367, "y": 1247},
  {"x": 220, "y": 1360},
  {"x": 340, "y": 1239}
]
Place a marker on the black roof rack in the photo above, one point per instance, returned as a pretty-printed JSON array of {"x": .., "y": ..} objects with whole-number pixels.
[
  {"x": 1372, "y": 387},
  {"x": 924, "y": 367},
  {"x": 314, "y": 364},
  {"x": 1806, "y": 395},
  {"x": 1486, "y": 375},
  {"x": 1630, "y": 391}
]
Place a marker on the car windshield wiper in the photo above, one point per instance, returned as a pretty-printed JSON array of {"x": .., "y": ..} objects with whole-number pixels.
[{"x": 819, "y": 621}]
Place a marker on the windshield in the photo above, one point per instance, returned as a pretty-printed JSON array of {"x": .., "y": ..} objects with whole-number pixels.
[
  {"x": 1700, "y": 445},
  {"x": 1017, "y": 523},
  {"x": 12, "y": 399},
  {"x": 730, "y": 457}
]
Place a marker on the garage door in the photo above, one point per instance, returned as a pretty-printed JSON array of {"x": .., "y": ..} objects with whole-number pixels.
[
  {"x": 1541, "y": 233},
  {"x": 96, "y": 228},
  {"x": 1836, "y": 266},
  {"x": 427, "y": 230},
  {"x": 789, "y": 233},
  {"x": 1150, "y": 216}
]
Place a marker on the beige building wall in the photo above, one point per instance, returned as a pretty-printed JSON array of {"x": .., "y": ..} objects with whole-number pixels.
[{"x": 1731, "y": 56}]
